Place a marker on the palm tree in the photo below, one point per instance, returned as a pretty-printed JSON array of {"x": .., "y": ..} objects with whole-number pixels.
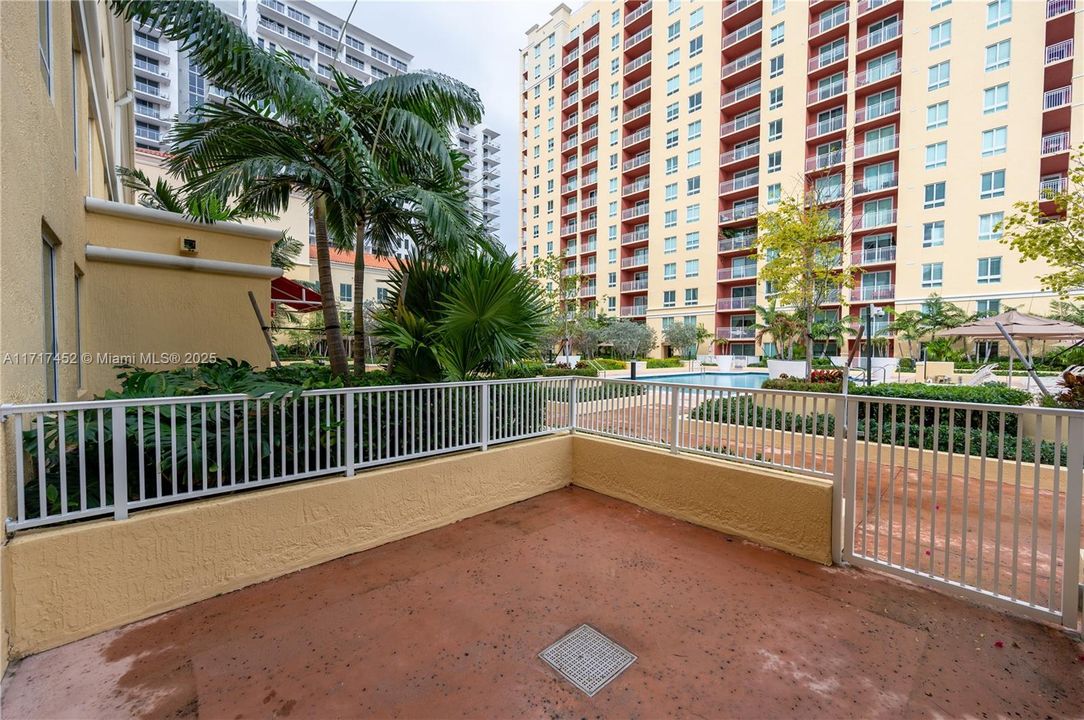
[
  {"x": 909, "y": 326},
  {"x": 782, "y": 327},
  {"x": 829, "y": 329}
]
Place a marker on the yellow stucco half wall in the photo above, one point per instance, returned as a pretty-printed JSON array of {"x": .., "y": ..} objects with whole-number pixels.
[
  {"x": 777, "y": 509},
  {"x": 73, "y": 582}
]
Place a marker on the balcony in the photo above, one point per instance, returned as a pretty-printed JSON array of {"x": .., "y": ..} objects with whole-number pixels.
[
  {"x": 876, "y": 147},
  {"x": 742, "y": 33},
  {"x": 737, "y": 243},
  {"x": 1058, "y": 52},
  {"x": 832, "y": 21},
  {"x": 571, "y": 100},
  {"x": 739, "y": 183},
  {"x": 742, "y": 152},
  {"x": 568, "y": 229},
  {"x": 749, "y": 90},
  {"x": 639, "y": 185},
  {"x": 826, "y": 92},
  {"x": 572, "y": 79},
  {"x": 879, "y": 37},
  {"x": 571, "y": 122},
  {"x": 827, "y": 59},
  {"x": 872, "y": 220},
  {"x": 590, "y": 45},
  {"x": 733, "y": 8},
  {"x": 873, "y": 293},
  {"x": 824, "y": 161},
  {"x": 571, "y": 57},
  {"x": 880, "y": 183},
  {"x": 636, "y": 237},
  {"x": 589, "y": 269},
  {"x": 589, "y": 224},
  {"x": 637, "y": 112},
  {"x": 735, "y": 303},
  {"x": 1055, "y": 143},
  {"x": 571, "y": 144},
  {"x": 868, "y": 6},
  {"x": 873, "y": 256},
  {"x": 635, "y": 89},
  {"x": 735, "y": 214},
  {"x": 637, "y": 138},
  {"x": 635, "y": 261},
  {"x": 826, "y": 127},
  {"x": 590, "y": 112},
  {"x": 749, "y": 60},
  {"x": 634, "y": 285},
  {"x": 881, "y": 73},
  {"x": 1057, "y": 8},
  {"x": 1057, "y": 98},
  {"x": 737, "y": 272},
  {"x": 638, "y": 38},
  {"x": 876, "y": 111},
  {"x": 1049, "y": 187},
  {"x": 633, "y": 311},
  {"x": 588, "y": 291},
  {"x": 747, "y": 122},
  {"x": 735, "y": 333},
  {"x": 642, "y": 10},
  {"x": 643, "y": 60},
  {"x": 637, "y": 162}
]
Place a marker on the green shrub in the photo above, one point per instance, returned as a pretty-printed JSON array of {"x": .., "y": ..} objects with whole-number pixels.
[
  {"x": 608, "y": 364},
  {"x": 565, "y": 372},
  {"x": 907, "y": 364},
  {"x": 802, "y": 385},
  {"x": 988, "y": 394},
  {"x": 659, "y": 363}
]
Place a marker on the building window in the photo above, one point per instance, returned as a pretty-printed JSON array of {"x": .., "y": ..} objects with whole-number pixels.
[
  {"x": 994, "y": 141},
  {"x": 938, "y": 76},
  {"x": 696, "y": 101},
  {"x": 692, "y": 268},
  {"x": 932, "y": 274},
  {"x": 50, "y": 345},
  {"x": 937, "y": 115},
  {"x": 671, "y": 139},
  {"x": 669, "y": 244},
  {"x": 692, "y": 185},
  {"x": 692, "y": 296},
  {"x": 989, "y": 270},
  {"x": 775, "y": 98},
  {"x": 692, "y": 213},
  {"x": 940, "y": 35},
  {"x": 45, "y": 43},
  {"x": 671, "y": 112},
  {"x": 986, "y": 308},
  {"x": 934, "y": 195},
  {"x": 673, "y": 31},
  {"x": 775, "y": 129},
  {"x": 995, "y": 99},
  {"x": 611, "y": 280},
  {"x": 669, "y": 271},
  {"x": 775, "y": 66},
  {"x": 933, "y": 234},
  {"x": 671, "y": 165},
  {"x": 990, "y": 225},
  {"x": 775, "y": 193},
  {"x": 775, "y": 161},
  {"x": 936, "y": 155},
  {"x": 692, "y": 240},
  {"x": 673, "y": 58},
  {"x": 696, "y": 73},
  {"x": 778, "y": 6},
  {"x": 346, "y": 292},
  {"x": 997, "y": 55},
  {"x": 696, "y": 18},
  {"x": 993, "y": 184},
  {"x": 669, "y": 219},
  {"x": 776, "y": 35},
  {"x": 692, "y": 158},
  {"x": 998, "y": 13},
  {"x": 696, "y": 46},
  {"x": 669, "y": 298},
  {"x": 672, "y": 85},
  {"x": 695, "y": 129},
  {"x": 670, "y": 192}
]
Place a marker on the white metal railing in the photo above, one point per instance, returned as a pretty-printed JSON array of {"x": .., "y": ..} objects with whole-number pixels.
[
  {"x": 1059, "y": 7},
  {"x": 636, "y": 112},
  {"x": 1055, "y": 143},
  {"x": 982, "y": 499},
  {"x": 1058, "y": 52},
  {"x": 740, "y": 123},
  {"x": 1051, "y": 187},
  {"x": 824, "y": 59},
  {"x": 747, "y": 60},
  {"x": 1058, "y": 97},
  {"x": 743, "y": 32}
]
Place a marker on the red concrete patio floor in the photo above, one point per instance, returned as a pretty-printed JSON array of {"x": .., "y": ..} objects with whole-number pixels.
[{"x": 450, "y": 623}]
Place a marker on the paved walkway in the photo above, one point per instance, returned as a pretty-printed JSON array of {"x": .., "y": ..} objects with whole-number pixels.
[{"x": 449, "y": 624}]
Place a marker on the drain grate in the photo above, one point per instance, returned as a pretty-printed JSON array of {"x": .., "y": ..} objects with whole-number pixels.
[{"x": 587, "y": 658}]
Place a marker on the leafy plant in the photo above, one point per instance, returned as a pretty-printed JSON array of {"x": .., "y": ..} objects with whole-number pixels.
[{"x": 630, "y": 339}]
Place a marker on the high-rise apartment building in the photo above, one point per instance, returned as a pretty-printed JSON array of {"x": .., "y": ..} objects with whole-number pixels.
[
  {"x": 654, "y": 133},
  {"x": 168, "y": 83}
]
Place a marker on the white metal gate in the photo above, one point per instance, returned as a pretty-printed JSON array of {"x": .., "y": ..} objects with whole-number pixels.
[{"x": 980, "y": 500}]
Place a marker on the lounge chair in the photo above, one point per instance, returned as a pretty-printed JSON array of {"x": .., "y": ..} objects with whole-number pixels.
[{"x": 982, "y": 375}]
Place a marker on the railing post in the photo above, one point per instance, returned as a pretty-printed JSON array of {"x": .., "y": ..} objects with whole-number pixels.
[
  {"x": 120, "y": 464},
  {"x": 483, "y": 415},
  {"x": 352, "y": 439},
  {"x": 850, "y": 474},
  {"x": 1074, "y": 478},
  {"x": 838, "y": 463},
  {"x": 675, "y": 418},
  {"x": 572, "y": 392}
]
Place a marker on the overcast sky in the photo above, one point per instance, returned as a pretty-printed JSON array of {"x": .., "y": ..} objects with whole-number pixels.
[{"x": 475, "y": 41}]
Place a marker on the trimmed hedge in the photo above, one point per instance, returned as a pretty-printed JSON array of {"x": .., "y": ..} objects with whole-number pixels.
[
  {"x": 989, "y": 394},
  {"x": 802, "y": 385},
  {"x": 659, "y": 363}
]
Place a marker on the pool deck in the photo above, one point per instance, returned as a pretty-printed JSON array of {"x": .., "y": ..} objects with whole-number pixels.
[{"x": 449, "y": 624}]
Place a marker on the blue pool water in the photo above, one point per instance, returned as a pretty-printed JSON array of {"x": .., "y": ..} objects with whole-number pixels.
[{"x": 711, "y": 379}]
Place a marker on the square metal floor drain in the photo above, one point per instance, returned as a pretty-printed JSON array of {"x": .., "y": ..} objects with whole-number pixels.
[{"x": 587, "y": 658}]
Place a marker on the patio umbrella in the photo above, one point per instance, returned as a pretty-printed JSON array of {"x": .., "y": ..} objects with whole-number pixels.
[{"x": 1015, "y": 325}]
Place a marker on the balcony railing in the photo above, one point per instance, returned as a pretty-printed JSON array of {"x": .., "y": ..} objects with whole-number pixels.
[
  {"x": 1049, "y": 187},
  {"x": 634, "y": 261},
  {"x": 880, "y": 218},
  {"x": 638, "y": 185},
  {"x": 741, "y": 212},
  {"x": 866, "y": 6},
  {"x": 739, "y": 183},
  {"x": 590, "y": 44},
  {"x": 738, "y": 242},
  {"x": 823, "y": 127},
  {"x": 876, "y": 147},
  {"x": 826, "y": 92},
  {"x": 867, "y": 293},
  {"x": 736, "y": 303},
  {"x": 747, "y": 60},
  {"x": 876, "y": 184},
  {"x": 592, "y": 64},
  {"x": 735, "y": 333},
  {"x": 571, "y": 143},
  {"x": 740, "y": 123},
  {"x": 633, "y": 310},
  {"x": 638, "y": 161},
  {"x": 1054, "y": 8},
  {"x": 568, "y": 229},
  {"x": 637, "y": 87},
  {"x": 745, "y": 91},
  {"x": 570, "y": 101},
  {"x": 879, "y": 36},
  {"x": 572, "y": 55},
  {"x": 741, "y": 152},
  {"x": 638, "y": 136},
  {"x": 882, "y": 72},
  {"x": 636, "y": 236},
  {"x": 824, "y": 161},
  {"x": 737, "y": 272},
  {"x": 1055, "y": 143},
  {"x": 634, "y": 285},
  {"x": 873, "y": 256},
  {"x": 638, "y": 13},
  {"x": 572, "y": 122},
  {"x": 877, "y": 110},
  {"x": 1058, "y": 52},
  {"x": 736, "y": 7},
  {"x": 572, "y": 79},
  {"x": 638, "y": 111},
  {"x": 742, "y": 33},
  {"x": 588, "y": 291},
  {"x": 590, "y": 112},
  {"x": 638, "y": 62},
  {"x": 1057, "y": 98},
  {"x": 638, "y": 38},
  {"x": 827, "y": 58},
  {"x": 822, "y": 26}
]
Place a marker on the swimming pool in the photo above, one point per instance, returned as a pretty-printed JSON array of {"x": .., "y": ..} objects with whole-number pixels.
[{"x": 711, "y": 379}]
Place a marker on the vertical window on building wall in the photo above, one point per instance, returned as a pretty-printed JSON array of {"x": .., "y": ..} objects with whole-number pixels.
[
  {"x": 989, "y": 270},
  {"x": 611, "y": 279},
  {"x": 692, "y": 185},
  {"x": 933, "y": 234},
  {"x": 775, "y": 129},
  {"x": 990, "y": 225},
  {"x": 937, "y": 115},
  {"x": 940, "y": 35},
  {"x": 998, "y": 55},
  {"x": 45, "y": 43},
  {"x": 673, "y": 30},
  {"x": 775, "y": 35},
  {"x": 672, "y": 6},
  {"x": 938, "y": 76},
  {"x": 694, "y": 129},
  {"x": 669, "y": 271},
  {"x": 775, "y": 193},
  {"x": 692, "y": 158},
  {"x": 692, "y": 296},
  {"x": 775, "y": 161},
  {"x": 669, "y": 244},
  {"x": 936, "y": 155},
  {"x": 992, "y": 184},
  {"x": 934, "y": 195},
  {"x": 692, "y": 268},
  {"x": 938, "y": 4},
  {"x": 669, "y": 298},
  {"x": 50, "y": 345},
  {"x": 615, "y": 18},
  {"x": 986, "y": 308},
  {"x": 696, "y": 73},
  {"x": 692, "y": 240},
  {"x": 669, "y": 219},
  {"x": 672, "y": 85},
  {"x": 998, "y": 13},
  {"x": 673, "y": 58},
  {"x": 994, "y": 141},
  {"x": 671, "y": 139},
  {"x": 671, "y": 112},
  {"x": 611, "y": 255},
  {"x": 775, "y": 98},
  {"x": 932, "y": 275},
  {"x": 671, "y": 165},
  {"x": 995, "y": 99},
  {"x": 670, "y": 192},
  {"x": 778, "y": 6},
  {"x": 775, "y": 66},
  {"x": 696, "y": 101},
  {"x": 692, "y": 213},
  {"x": 696, "y": 18},
  {"x": 696, "y": 46}
]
